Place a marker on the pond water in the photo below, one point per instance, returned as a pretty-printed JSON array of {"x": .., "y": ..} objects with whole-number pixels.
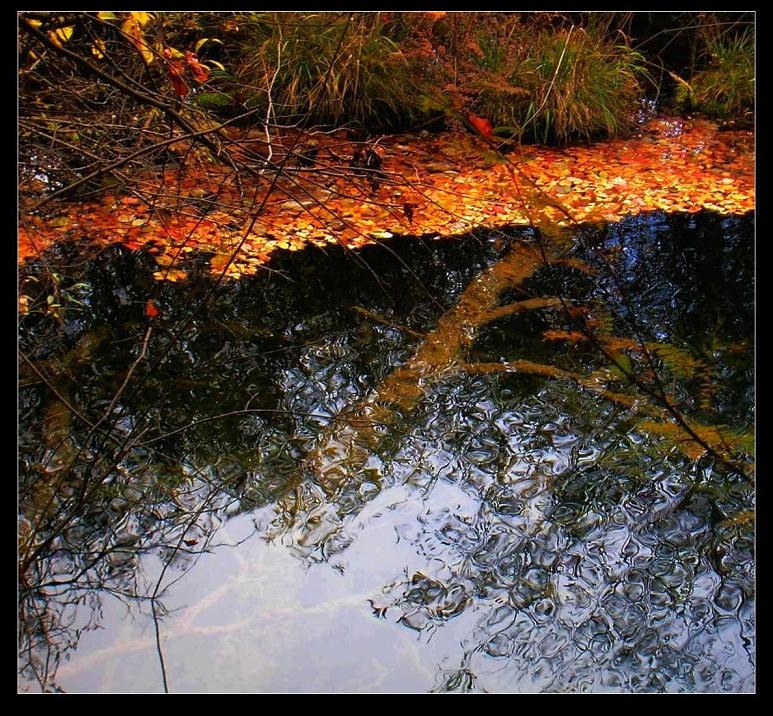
[{"x": 511, "y": 532}]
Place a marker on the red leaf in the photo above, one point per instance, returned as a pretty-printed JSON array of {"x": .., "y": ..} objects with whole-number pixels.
[
  {"x": 180, "y": 88},
  {"x": 176, "y": 72},
  {"x": 150, "y": 309},
  {"x": 200, "y": 72},
  {"x": 482, "y": 125}
]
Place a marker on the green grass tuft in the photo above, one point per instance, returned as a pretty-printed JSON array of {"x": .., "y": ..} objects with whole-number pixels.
[
  {"x": 565, "y": 86},
  {"x": 330, "y": 68},
  {"x": 726, "y": 88}
]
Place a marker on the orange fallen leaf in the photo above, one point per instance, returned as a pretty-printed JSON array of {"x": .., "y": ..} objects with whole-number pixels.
[
  {"x": 570, "y": 336},
  {"x": 150, "y": 309},
  {"x": 482, "y": 125}
]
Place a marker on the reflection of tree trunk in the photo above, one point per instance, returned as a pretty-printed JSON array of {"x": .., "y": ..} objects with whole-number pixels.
[
  {"x": 339, "y": 463},
  {"x": 346, "y": 445}
]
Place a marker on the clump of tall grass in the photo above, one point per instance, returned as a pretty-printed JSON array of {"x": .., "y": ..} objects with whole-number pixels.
[
  {"x": 533, "y": 76},
  {"x": 566, "y": 85},
  {"x": 725, "y": 89},
  {"x": 330, "y": 68}
]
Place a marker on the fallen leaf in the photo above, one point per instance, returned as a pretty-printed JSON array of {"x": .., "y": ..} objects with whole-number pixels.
[
  {"x": 482, "y": 125},
  {"x": 150, "y": 309}
]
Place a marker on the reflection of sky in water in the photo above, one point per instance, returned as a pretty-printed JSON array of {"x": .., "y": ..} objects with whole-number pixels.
[{"x": 272, "y": 623}]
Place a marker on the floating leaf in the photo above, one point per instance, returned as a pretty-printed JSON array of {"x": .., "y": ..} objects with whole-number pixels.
[
  {"x": 172, "y": 274},
  {"x": 467, "y": 191},
  {"x": 481, "y": 125},
  {"x": 570, "y": 336},
  {"x": 150, "y": 309}
]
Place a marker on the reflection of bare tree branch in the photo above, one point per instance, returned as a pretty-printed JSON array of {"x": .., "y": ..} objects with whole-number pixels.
[
  {"x": 53, "y": 389},
  {"x": 129, "y": 373},
  {"x": 108, "y": 554},
  {"x": 384, "y": 322}
]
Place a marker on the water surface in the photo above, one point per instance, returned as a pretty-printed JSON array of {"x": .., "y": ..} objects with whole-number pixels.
[{"x": 512, "y": 533}]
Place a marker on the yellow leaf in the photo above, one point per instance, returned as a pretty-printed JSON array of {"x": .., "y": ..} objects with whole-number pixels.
[
  {"x": 107, "y": 15},
  {"x": 218, "y": 263},
  {"x": 133, "y": 29},
  {"x": 216, "y": 64},
  {"x": 142, "y": 18},
  {"x": 204, "y": 40},
  {"x": 147, "y": 53},
  {"x": 175, "y": 275},
  {"x": 64, "y": 33},
  {"x": 130, "y": 27},
  {"x": 98, "y": 49},
  {"x": 60, "y": 35}
]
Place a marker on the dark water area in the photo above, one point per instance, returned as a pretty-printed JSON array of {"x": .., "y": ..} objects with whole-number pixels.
[{"x": 512, "y": 533}]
